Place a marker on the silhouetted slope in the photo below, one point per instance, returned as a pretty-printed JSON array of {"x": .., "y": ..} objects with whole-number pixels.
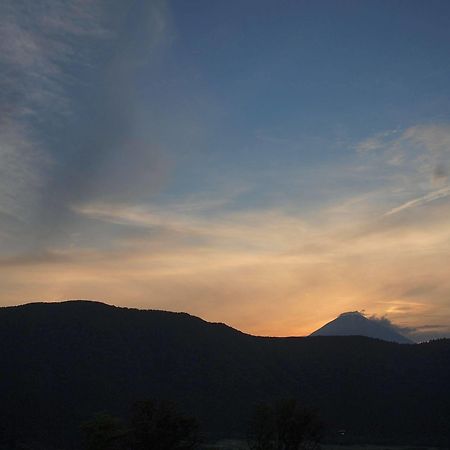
[
  {"x": 355, "y": 324},
  {"x": 63, "y": 362}
]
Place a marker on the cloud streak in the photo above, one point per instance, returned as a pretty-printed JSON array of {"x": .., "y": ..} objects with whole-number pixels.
[
  {"x": 258, "y": 270},
  {"x": 37, "y": 43},
  {"x": 415, "y": 163},
  {"x": 432, "y": 196},
  {"x": 139, "y": 166},
  {"x": 56, "y": 146}
]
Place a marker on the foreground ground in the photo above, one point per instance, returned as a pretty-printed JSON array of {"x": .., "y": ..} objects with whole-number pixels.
[{"x": 229, "y": 444}]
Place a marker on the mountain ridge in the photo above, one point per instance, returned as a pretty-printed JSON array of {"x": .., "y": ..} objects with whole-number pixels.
[
  {"x": 354, "y": 323},
  {"x": 64, "y": 362},
  {"x": 101, "y": 304}
]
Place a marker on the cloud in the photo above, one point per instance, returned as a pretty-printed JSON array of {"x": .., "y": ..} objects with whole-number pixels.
[
  {"x": 261, "y": 268},
  {"x": 257, "y": 269},
  {"x": 414, "y": 164},
  {"x": 425, "y": 333},
  {"x": 119, "y": 154},
  {"x": 33, "y": 259},
  {"x": 22, "y": 164},
  {"x": 376, "y": 142},
  {"x": 432, "y": 196},
  {"x": 423, "y": 148},
  {"x": 37, "y": 42},
  {"x": 419, "y": 333},
  {"x": 387, "y": 323},
  {"x": 278, "y": 260},
  {"x": 100, "y": 198},
  {"x": 57, "y": 147}
]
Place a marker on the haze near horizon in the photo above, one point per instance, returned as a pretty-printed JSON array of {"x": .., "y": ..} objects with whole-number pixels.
[{"x": 268, "y": 165}]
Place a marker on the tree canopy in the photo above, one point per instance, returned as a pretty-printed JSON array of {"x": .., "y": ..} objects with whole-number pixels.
[
  {"x": 154, "y": 425},
  {"x": 284, "y": 425}
]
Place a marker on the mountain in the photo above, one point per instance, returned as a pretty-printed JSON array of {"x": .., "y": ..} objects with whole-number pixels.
[
  {"x": 355, "y": 324},
  {"x": 61, "y": 363}
]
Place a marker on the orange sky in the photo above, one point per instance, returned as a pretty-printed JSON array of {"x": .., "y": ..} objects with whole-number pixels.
[
  {"x": 266, "y": 271},
  {"x": 156, "y": 154}
]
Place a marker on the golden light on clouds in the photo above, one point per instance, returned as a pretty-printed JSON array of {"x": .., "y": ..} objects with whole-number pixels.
[
  {"x": 148, "y": 160},
  {"x": 269, "y": 272},
  {"x": 283, "y": 268}
]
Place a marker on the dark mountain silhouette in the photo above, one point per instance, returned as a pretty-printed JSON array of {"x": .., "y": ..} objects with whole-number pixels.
[
  {"x": 63, "y": 362},
  {"x": 356, "y": 324}
]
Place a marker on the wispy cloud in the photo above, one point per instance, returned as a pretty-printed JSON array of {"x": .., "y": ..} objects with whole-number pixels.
[
  {"x": 432, "y": 196},
  {"x": 55, "y": 146},
  {"x": 261, "y": 267},
  {"x": 421, "y": 148},
  {"x": 128, "y": 173},
  {"x": 376, "y": 142},
  {"x": 388, "y": 323},
  {"x": 259, "y": 270},
  {"x": 22, "y": 162},
  {"x": 419, "y": 333},
  {"x": 414, "y": 162},
  {"x": 37, "y": 42}
]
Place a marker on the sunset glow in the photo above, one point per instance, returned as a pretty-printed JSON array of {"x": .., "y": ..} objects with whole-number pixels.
[{"x": 199, "y": 157}]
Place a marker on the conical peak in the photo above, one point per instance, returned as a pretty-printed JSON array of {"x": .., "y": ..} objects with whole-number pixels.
[
  {"x": 355, "y": 323},
  {"x": 351, "y": 314}
]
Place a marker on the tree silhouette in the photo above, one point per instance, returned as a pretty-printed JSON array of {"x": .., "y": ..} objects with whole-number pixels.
[
  {"x": 104, "y": 432},
  {"x": 152, "y": 426},
  {"x": 284, "y": 426},
  {"x": 159, "y": 426},
  {"x": 262, "y": 429}
]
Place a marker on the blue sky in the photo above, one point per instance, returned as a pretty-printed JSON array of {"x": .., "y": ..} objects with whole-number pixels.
[{"x": 267, "y": 164}]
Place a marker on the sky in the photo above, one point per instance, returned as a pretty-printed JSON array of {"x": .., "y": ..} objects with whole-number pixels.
[{"x": 267, "y": 164}]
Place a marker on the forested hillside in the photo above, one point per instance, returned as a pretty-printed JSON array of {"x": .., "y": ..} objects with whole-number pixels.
[{"x": 63, "y": 362}]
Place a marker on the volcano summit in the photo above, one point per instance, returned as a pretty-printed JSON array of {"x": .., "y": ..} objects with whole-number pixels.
[{"x": 354, "y": 323}]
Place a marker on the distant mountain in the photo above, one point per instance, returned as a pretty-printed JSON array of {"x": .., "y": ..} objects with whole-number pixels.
[
  {"x": 355, "y": 324},
  {"x": 60, "y": 363}
]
